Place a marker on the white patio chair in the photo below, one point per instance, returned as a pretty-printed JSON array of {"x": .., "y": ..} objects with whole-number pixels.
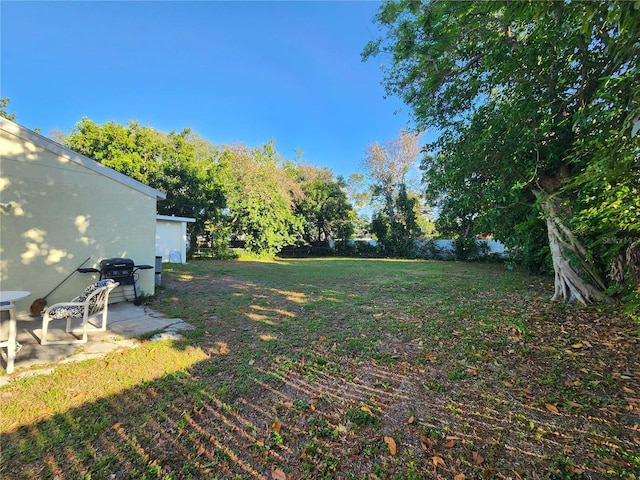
[{"x": 92, "y": 304}]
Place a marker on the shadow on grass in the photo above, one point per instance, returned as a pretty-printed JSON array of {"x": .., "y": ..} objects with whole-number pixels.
[
  {"x": 402, "y": 375},
  {"x": 308, "y": 419}
]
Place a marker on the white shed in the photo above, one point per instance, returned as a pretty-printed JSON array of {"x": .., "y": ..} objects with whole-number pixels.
[{"x": 171, "y": 238}]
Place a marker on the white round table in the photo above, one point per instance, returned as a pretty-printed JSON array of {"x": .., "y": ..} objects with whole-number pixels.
[
  {"x": 13, "y": 295},
  {"x": 8, "y": 297}
]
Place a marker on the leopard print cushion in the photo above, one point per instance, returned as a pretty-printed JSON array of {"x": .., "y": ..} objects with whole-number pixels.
[{"x": 66, "y": 311}]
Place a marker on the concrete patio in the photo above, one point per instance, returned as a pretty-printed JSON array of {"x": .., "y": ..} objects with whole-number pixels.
[{"x": 125, "y": 322}]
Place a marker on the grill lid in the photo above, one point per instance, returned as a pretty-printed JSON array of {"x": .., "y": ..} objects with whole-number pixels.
[{"x": 116, "y": 264}]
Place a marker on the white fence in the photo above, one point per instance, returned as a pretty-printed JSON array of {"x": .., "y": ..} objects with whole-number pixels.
[{"x": 446, "y": 249}]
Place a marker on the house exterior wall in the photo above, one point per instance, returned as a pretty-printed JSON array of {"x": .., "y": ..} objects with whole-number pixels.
[
  {"x": 57, "y": 211},
  {"x": 171, "y": 236}
]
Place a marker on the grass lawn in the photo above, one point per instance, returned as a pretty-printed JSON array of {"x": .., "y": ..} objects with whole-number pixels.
[{"x": 337, "y": 369}]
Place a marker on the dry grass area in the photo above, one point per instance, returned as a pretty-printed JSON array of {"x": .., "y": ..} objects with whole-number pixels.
[{"x": 339, "y": 369}]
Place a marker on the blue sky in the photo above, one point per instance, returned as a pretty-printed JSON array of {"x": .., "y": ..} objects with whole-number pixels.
[{"x": 231, "y": 71}]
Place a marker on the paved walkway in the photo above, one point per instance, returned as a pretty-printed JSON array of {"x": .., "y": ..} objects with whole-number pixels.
[{"x": 125, "y": 322}]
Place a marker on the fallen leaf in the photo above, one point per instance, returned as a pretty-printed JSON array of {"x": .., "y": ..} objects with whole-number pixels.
[
  {"x": 637, "y": 440},
  {"x": 364, "y": 408},
  {"x": 411, "y": 419},
  {"x": 628, "y": 390},
  {"x": 552, "y": 408},
  {"x": 577, "y": 345},
  {"x": 276, "y": 426},
  {"x": 288, "y": 404},
  {"x": 477, "y": 458},
  {"x": 450, "y": 444},
  {"x": 323, "y": 339},
  {"x": 391, "y": 443},
  {"x": 459, "y": 476},
  {"x": 278, "y": 474},
  {"x": 439, "y": 461}
]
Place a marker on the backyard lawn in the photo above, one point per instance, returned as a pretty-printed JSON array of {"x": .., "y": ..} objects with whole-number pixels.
[{"x": 343, "y": 368}]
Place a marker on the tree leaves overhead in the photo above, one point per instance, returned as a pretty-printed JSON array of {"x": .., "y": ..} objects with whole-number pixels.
[
  {"x": 531, "y": 100},
  {"x": 4, "y": 102}
]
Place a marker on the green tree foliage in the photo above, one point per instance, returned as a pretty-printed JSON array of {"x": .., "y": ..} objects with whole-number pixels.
[
  {"x": 535, "y": 103},
  {"x": 180, "y": 164},
  {"x": 233, "y": 192},
  {"x": 324, "y": 206},
  {"x": 359, "y": 195},
  {"x": 191, "y": 182},
  {"x": 395, "y": 223},
  {"x": 397, "y": 237},
  {"x": 260, "y": 199},
  {"x": 133, "y": 149},
  {"x": 4, "y": 103}
]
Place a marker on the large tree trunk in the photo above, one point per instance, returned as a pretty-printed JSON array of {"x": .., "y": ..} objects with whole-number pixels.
[{"x": 575, "y": 277}]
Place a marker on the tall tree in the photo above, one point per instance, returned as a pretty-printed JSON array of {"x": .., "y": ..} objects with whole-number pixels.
[
  {"x": 260, "y": 199},
  {"x": 191, "y": 180},
  {"x": 519, "y": 91},
  {"x": 324, "y": 205},
  {"x": 388, "y": 166}
]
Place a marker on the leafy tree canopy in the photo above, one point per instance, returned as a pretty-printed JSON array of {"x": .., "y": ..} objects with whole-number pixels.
[
  {"x": 535, "y": 102},
  {"x": 260, "y": 199},
  {"x": 396, "y": 219},
  {"x": 181, "y": 165},
  {"x": 326, "y": 211}
]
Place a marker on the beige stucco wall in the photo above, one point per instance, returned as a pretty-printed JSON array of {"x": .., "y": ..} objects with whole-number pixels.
[{"x": 57, "y": 212}]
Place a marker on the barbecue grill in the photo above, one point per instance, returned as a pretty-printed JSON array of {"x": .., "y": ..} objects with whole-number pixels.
[{"x": 122, "y": 270}]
